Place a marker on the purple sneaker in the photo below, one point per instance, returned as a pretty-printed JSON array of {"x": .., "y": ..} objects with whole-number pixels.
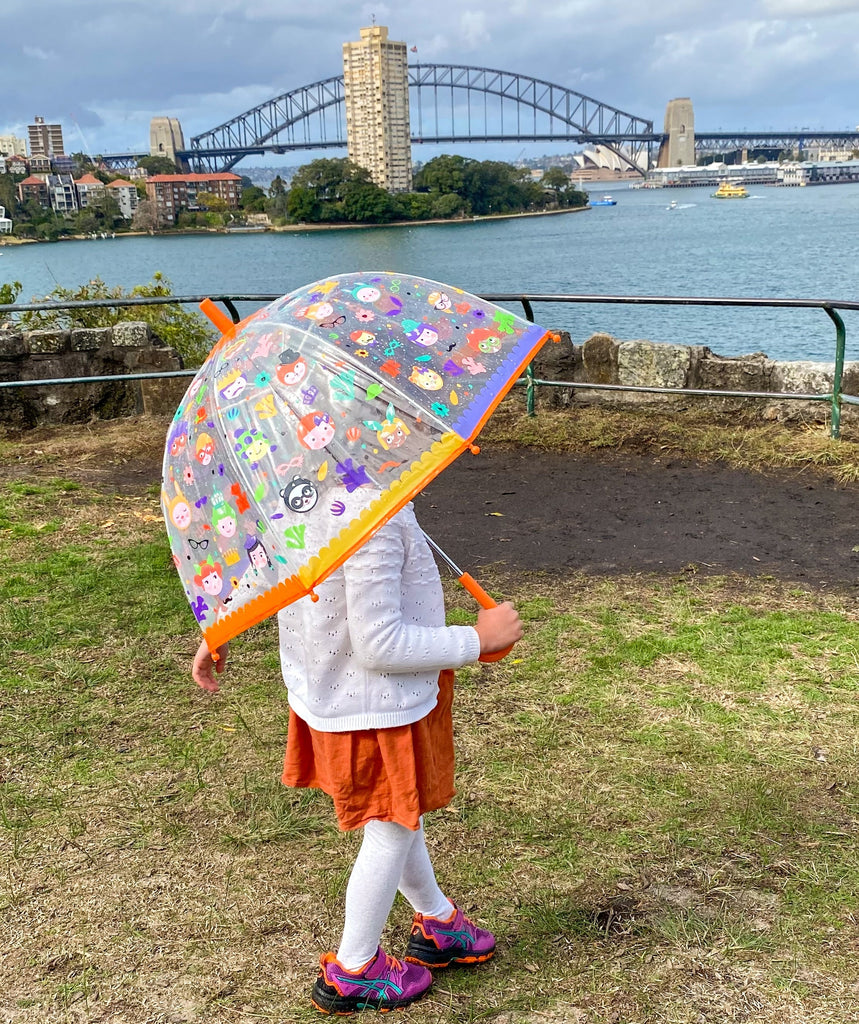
[
  {"x": 455, "y": 940},
  {"x": 382, "y": 984}
]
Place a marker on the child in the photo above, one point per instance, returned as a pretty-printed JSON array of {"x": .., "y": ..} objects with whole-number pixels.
[{"x": 368, "y": 672}]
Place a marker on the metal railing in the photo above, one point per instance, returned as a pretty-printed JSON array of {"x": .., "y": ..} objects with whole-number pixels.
[{"x": 831, "y": 307}]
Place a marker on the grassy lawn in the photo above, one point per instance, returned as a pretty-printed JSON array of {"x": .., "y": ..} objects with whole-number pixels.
[{"x": 658, "y": 803}]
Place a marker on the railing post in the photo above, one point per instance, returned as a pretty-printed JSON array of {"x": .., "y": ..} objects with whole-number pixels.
[
  {"x": 530, "y": 387},
  {"x": 530, "y": 390},
  {"x": 840, "y": 345}
]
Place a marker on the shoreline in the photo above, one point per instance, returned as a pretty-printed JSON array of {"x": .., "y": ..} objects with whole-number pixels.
[{"x": 273, "y": 229}]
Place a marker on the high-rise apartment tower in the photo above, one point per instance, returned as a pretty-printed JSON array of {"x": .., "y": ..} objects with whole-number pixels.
[
  {"x": 45, "y": 139},
  {"x": 376, "y": 89}
]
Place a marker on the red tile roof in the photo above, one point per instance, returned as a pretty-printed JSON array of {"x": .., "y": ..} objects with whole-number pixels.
[{"x": 226, "y": 176}]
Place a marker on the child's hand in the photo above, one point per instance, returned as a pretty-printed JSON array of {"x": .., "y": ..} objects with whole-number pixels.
[
  {"x": 205, "y": 666},
  {"x": 498, "y": 628}
]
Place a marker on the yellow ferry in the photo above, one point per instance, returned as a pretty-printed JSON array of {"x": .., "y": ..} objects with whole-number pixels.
[{"x": 728, "y": 190}]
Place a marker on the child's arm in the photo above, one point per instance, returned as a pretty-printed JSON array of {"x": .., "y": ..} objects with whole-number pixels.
[
  {"x": 386, "y": 641},
  {"x": 205, "y": 666}
]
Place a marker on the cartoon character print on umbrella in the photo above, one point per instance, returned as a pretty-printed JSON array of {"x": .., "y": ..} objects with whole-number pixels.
[{"x": 316, "y": 419}]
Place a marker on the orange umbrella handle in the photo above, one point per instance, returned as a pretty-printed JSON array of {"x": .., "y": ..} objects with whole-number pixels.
[{"x": 485, "y": 601}]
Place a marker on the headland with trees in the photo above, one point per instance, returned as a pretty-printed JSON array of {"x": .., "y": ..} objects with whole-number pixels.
[{"x": 322, "y": 192}]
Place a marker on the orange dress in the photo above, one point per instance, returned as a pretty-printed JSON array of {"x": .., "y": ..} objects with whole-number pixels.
[{"x": 394, "y": 774}]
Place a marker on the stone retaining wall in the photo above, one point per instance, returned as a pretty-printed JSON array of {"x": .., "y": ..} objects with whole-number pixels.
[
  {"x": 130, "y": 347},
  {"x": 603, "y": 359},
  {"x": 127, "y": 347}
]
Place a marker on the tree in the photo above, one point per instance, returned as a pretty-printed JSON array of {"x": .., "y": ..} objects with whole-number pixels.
[
  {"x": 443, "y": 174},
  {"x": 145, "y": 216},
  {"x": 8, "y": 197},
  {"x": 447, "y": 205},
  {"x": 102, "y": 213},
  {"x": 254, "y": 199},
  {"x": 557, "y": 180},
  {"x": 326, "y": 180},
  {"x": 366, "y": 203},
  {"x": 276, "y": 206},
  {"x": 302, "y": 205},
  {"x": 157, "y": 165}
]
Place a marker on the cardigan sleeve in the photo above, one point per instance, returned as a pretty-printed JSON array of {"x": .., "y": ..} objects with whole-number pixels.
[{"x": 381, "y": 638}]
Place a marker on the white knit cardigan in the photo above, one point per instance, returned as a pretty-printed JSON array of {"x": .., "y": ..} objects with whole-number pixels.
[{"x": 367, "y": 654}]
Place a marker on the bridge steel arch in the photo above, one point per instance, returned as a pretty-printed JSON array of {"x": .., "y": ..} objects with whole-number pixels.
[{"x": 449, "y": 102}]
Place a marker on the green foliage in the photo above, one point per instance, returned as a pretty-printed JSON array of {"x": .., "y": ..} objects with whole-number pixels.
[
  {"x": 101, "y": 214},
  {"x": 449, "y": 204},
  {"x": 254, "y": 199},
  {"x": 8, "y": 197},
  {"x": 366, "y": 203},
  {"x": 302, "y": 205},
  {"x": 187, "y": 332},
  {"x": 443, "y": 174},
  {"x": 556, "y": 178},
  {"x": 320, "y": 188},
  {"x": 157, "y": 165},
  {"x": 9, "y": 293}
]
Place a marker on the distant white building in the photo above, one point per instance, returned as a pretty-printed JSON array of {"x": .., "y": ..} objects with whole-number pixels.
[
  {"x": 5, "y": 223},
  {"x": 125, "y": 193},
  {"x": 11, "y": 145}
]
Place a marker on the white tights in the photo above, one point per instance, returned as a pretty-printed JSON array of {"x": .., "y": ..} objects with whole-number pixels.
[{"x": 391, "y": 857}]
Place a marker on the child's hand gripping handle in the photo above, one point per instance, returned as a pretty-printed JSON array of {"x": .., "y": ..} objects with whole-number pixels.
[{"x": 485, "y": 601}]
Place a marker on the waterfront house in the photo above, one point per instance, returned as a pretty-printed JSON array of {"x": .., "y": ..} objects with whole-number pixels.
[
  {"x": 88, "y": 188},
  {"x": 62, "y": 193},
  {"x": 125, "y": 193},
  {"x": 5, "y": 223},
  {"x": 36, "y": 188}
]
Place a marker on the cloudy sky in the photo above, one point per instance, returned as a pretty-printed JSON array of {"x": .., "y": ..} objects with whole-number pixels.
[{"x": 103, "y": 68}]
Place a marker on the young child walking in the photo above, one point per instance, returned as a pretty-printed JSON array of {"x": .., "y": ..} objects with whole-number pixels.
[{"x": 369, "y": 673}]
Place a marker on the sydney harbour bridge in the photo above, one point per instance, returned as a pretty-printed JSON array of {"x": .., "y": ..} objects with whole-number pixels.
[{"x": 454, "y": 103}]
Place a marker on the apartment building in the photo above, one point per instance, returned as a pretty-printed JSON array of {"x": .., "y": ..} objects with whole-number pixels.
[
  {"x": 45, "y": 139},
  {"x": 62, "y": 193},
  {"x": 376, "y": 96},
  {"x": 125, "y": 194},
  {"x": 89, "y": 188},
  {"x": 174, "y": 193},
  {"x": 11, "y": 145},
  {"x": 36, "y": 188}
]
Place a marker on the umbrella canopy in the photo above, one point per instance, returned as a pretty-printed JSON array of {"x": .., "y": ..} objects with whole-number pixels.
[{"x": 313, "y": 422}]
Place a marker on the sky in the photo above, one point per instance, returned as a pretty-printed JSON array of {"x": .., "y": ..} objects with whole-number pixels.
[{"x": 103, "y": 68}]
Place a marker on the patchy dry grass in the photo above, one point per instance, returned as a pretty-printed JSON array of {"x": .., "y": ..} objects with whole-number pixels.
[
  {"x": 658, "y": 803},
  {"x": 745, "y": 442}
]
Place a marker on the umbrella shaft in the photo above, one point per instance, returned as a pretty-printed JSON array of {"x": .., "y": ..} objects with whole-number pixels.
[{"x": 446, "y": 558}]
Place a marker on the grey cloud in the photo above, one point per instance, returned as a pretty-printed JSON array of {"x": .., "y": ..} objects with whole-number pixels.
[{"x": 114, "y": 65}]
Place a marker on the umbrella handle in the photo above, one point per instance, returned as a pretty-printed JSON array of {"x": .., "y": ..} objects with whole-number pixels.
[{"x": 485, "y": 601}]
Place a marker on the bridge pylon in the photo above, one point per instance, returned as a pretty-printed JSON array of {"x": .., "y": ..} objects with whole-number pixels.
[{"x": 678, "y": 147}]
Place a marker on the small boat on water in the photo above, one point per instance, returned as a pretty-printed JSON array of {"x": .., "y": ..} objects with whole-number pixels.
[
  {"x": 728, "y": 190},
  {"x": 672, "y": 205},
  {"x": 605, "y": 201}
]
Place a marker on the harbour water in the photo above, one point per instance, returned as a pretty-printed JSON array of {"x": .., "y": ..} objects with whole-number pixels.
[{"x": 778, "y": 243}]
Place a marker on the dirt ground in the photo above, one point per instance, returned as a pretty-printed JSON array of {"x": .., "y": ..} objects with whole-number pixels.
[
  {"x": 605, "y": 513},
  {"x": 622, "y": 513}
]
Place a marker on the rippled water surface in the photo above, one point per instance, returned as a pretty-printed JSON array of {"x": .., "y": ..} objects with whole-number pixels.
[{"x": 778, "y": 243}]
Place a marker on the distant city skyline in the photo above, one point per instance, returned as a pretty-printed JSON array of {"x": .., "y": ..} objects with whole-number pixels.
[{"x": 106, "y": 71}]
